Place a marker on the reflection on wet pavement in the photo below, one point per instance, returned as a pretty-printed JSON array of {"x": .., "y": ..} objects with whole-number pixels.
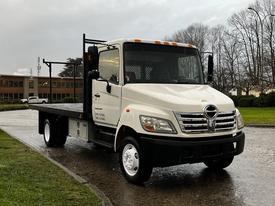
[{"x": 250, "y": 180}]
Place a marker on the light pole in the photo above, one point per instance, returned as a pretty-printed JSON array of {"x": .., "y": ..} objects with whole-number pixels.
[{"x": 262, "y": 42}]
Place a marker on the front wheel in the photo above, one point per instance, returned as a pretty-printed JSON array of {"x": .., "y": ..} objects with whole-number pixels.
[
  {"x": 220, "y": 163},
  {"x": 223, "y": 162},
  {"x": 133, "y": 162}
]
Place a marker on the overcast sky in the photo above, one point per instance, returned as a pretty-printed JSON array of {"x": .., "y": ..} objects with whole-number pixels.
[{"x": 52, "y": 29}]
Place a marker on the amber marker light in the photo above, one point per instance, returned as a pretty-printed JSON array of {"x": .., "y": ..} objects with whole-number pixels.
[
  {"x": 137, "y": 40},
  {"x": 149, "y": 127}
]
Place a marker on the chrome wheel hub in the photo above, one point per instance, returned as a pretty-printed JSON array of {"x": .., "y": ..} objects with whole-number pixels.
[
  {"x": 47, "y": 132},
  {"x": 130, "y": 159}
]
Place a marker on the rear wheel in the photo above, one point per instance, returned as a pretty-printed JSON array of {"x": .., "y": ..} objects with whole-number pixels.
[
  {"x": 134, "y": 166},
  {"x": 54, "y": 133},
  {"x": 62, "y": 133},
  {"x": 49, "y": 137}
]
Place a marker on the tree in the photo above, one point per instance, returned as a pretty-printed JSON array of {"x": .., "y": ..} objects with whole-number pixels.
[
  {"x": 243, "y": 50},
  {"x": 68, "y": 70},
  {"x": 195, "y": 34}
]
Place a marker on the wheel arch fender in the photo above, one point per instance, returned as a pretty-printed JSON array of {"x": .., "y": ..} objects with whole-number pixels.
[{"x": 129, "y": 123}]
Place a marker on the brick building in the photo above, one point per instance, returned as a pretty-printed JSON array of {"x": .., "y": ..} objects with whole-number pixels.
[{"x": 13, "y": 88}]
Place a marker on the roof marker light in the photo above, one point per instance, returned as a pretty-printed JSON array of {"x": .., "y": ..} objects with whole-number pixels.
[{"x": 137, "y": 40}]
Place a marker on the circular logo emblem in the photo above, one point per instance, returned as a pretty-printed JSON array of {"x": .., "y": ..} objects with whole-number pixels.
[{"x": 211, "y": 112}]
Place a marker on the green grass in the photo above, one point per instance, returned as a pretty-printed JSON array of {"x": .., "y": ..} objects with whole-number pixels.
[
  {"x": 27, "y": 178},
  {"x": 7, "y": 107},
  {"x": 258, "y": 115}
]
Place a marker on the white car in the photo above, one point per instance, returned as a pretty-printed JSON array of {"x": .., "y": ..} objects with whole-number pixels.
[{"x": 34, "y": 100}]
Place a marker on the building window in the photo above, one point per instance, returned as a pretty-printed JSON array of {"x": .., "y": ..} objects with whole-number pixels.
[
  {"x": 15, "y": 96},
  {"x": 20, "y": 83},
  {"x": 31, "y": 84},
  {"x": 10, "y": 83},
  {"x": 43, "y": 84},
  {"x": 6, "y": 96}
]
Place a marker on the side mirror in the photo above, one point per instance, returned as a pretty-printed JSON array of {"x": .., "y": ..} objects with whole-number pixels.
[
  {"x": 210, "y": 68},
  {"x": 92, "y": 58},
  {"x": 94, "y": 74}
]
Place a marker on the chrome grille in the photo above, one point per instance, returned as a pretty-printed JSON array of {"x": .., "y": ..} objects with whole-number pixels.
[{"x": 198, "y": 122}]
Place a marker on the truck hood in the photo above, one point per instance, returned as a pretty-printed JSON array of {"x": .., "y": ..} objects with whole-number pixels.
[{"x": 175, "y": 97}]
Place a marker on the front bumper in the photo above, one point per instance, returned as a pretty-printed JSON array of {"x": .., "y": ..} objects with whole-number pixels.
[{"x": 167, "y": 151}]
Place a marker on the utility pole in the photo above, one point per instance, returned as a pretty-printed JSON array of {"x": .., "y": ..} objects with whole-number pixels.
[{"x": 38, "y": 67}]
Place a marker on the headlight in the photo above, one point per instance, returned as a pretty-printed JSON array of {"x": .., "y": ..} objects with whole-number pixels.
[
  {"x": 153, "y": 124},
  {"x": 240, "y": 122}
]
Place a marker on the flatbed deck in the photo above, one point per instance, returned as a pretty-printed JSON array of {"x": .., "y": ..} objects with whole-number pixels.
[{"x": 74, "y": 110}]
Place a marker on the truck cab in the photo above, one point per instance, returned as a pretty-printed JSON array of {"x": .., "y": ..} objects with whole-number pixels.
[
  {"x": 153, "y": 94},
  {"x": 150, "y": 102}
]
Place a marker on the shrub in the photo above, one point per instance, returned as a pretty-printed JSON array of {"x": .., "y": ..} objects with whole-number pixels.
[
  {"x": 69, "y": 100},
  {"x": 235, "y": 100},
  {"x": 270, "y": 99},
  {"x": 248, "y": 101}
]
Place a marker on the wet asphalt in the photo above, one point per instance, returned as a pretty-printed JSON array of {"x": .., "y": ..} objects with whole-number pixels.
[{"x": 250, "y": 180}]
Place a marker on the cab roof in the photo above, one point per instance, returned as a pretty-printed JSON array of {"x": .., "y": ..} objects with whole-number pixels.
[{"x": 147, "y": 41}]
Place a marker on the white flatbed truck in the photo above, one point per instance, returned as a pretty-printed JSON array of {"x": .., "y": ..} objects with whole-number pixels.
[{"x": 148, "y": 101}]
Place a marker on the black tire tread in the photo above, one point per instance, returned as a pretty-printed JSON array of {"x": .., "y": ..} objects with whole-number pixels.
[{"x": 145, "y": 168}]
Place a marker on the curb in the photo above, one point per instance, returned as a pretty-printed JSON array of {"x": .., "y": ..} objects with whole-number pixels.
[{"x": 105, "y": 200}]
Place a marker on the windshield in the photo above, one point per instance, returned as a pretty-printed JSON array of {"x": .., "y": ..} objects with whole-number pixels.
[{"x": 152, "y": 63}]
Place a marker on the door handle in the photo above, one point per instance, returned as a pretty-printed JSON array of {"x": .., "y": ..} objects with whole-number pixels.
[{"x": 97, "y": 95}]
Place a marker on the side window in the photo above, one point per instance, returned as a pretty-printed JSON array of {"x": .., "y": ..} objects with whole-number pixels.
[{"x": 109, "y": 65}]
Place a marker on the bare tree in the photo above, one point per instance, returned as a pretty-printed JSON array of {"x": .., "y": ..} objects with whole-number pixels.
[
  {"x": 244, "y": 52},
  {"x": 195, "y": 34}
]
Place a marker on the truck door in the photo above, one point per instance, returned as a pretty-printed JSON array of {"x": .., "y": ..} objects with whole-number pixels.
[{"x": 107, "y": 104}]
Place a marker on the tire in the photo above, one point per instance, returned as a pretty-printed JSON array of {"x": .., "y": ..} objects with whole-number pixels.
[
  {"x": 133, "y": 162},
  {"x": 219, "y": 164},
  {"x": 54, "y": 134},
  {"x": 49, "y": 133},
  {"x": 61, "y": 136},
  {"x": 222, "y": 163}
]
